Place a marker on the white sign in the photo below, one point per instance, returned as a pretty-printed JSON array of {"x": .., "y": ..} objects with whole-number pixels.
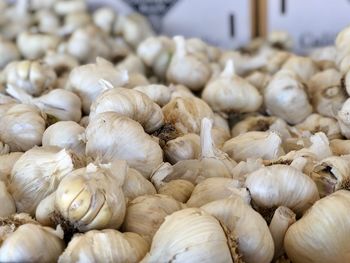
[
  {"x": 220, "y": 22},
  {"x": 311, "y": 23}
]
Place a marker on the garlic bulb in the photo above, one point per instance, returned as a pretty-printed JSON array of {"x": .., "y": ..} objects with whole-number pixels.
[
  {"x": 45, "y": 211},
  {"x": 85, "y": 80},
  {"x": 230, "y": 93},
  {"x": 136, "y": 79},
  {"x": 32, "y": 243},
  {"x": 37, "y": 174},
  {"x": 252, "y": 123},
  {"x": 191, "y": 235},
  {"x": 66, "y": 135},
  {"x": 8, "y": 206},
  {"x": 22, "y": 127},
  {"x": 327, "y": 95},
  {"x": 123, "y": 139},
  {"x": 340, "y": 147},
  {"x": 145, "y": 214},
  {"x": 107, "y": 245},
  {"x": 7, "y": 161},
  {"x": 92, "y": 197},
  {"x": 129, "y": 103},
  {"x": 303, "y": 67},
  {"x": 66, "y": 7},
  {"x": 178, "y": 189},
  {"x": 186, "y": 114},
  {"x": 4, "y": 148},
  {"x": 344, "y": 119},
  {"x": 132, "y": 64},
  {"x": 186, "y": 68},
  {"x": 47, "y": 21},
  {"x": 105, "y": 18},
  {"x": 213, "y": 189},
  {"x": 266, "y": 145},
  {"x": 282, "y": 185},
  {"x": 136, "y": 185},
  {"x": 34, "y": 77},
  {"x": 259, "y": 80},
  {"x": 286, "y": 98},
  {"x": 61, "y": 62},
  {"x": 8, "y": 52},
  {"x": 326, "y": 224},
  {"x": 185, "y": 147},
  {"x": 245, "y": 226},
  {"x": 84, "y": 122},
  {"x": 243, "y": 169},
  {"x": 160, "y": 94},
  {"x": 34, "y": 45},
  {"x": 72, "y": 23}
]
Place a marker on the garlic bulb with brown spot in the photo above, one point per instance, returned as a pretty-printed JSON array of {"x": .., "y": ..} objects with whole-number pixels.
[
  {"x": 145, "y": 214},
  {"x": 187, "y": 68},
  {"x": 178, "y": 189},
  {"x": 246, "y": 226},
  {"x": 185, "y": 147},
  {"x": 123, "y": 139},
  {"x": 8, "y": 206},
  {"x": 303, "y": 67},
  {"x": 67, "y": 135},
  {"x": 344, "y": 119},
  {"x": 8, "y": 52},
  {"x": 130, "y": 103},
  {"x": 282, "y": 185},
  {"x": 252, "y": 123},
  {"x": 340, "y": 147},
  {"x": 7, "y": 161},
  {"x": 285, "y": 97},
  {"x": 92, "y": 197},
  {"x": 325, "y": 224},
  {"x": 191, "y": 235},
  {"x": 37, "y": 174},
  {"x": 34, "y": 77},
  {"x": 231, "y": 93},
  {"x": 67, "y": 7},
  {"x": 85, "y": 80},
  {"x": 265, "y": 145},
  {"x": 22, "y": 127},
  {"x": 160, "y": 94},
  {"x": 32, "y": 243},
  {"x": 107, "y": 245}
]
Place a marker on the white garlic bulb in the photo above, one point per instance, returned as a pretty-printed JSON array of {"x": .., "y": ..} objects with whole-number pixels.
[
  {"x": 185, "y": 147},
  {"x": 326, "y": 224},
  {"x": 22, "y": 127},
  {"x": 286, "y": 98},
  {"x": 123, "y": 139},
  {"x": 259, "y": 80},
  {"x": 145, "y": 214},
  {"x": 34, "y": 77},
  {"x": 191, "y": 235},
  {"x": 32, "y": 243},
  {"x": 303, "y": 67},
  {"x": 340, "y": 147},
  {"x": 61, "y": 62},
  {"x": 245, "y": 226},
  {"x": 47, "y": 20},
  {"x": 254, "y": 144},
  {"x": 92, "y": 197},
  {"x": 129, "y": 103},
  {"x": 8, "y": 206},
  {"x": 344, "y": 119},
  {"x": 72, "y": 6},
  {"x": 45, "y": 211},
  {"x": 252, "y": 123},
  {"x": 85, "y": 80},
  {"x": 8, "y": 52},
  {"x": 132, "y": 64},
  {"x": 105, "y": 18},
  {"x": 7, "y": 161},
  {"x": 160, "y": 94},
  {"x": 282, "y": 185},
  {"x": 186, "y": 68},
  {"x": 107, "y": 245},
  {"x": 36, "y": 174},
  {"x": 230, "y": 93},
  {"x": 178, "y": 189},
  {"x": 80, "y": 21},
  {"x": 67, "y": 135},
  {"x": 136, "y": 79}
]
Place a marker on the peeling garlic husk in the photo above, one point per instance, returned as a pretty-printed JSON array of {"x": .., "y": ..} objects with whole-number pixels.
[
  {"x": 37, "y": 173},
  {"x": 85, "y": 80},
  {"x": 145, "y": 214},
  {"x": 340, "y": 147},
  {"x": 344, "y": 119},
  {"x": 325, "y": 224},
  {"x": 27, "y": 240},
  {"x": 185, "y": 147},
  {"x": 160, "y": 94},
  {"x": 282, "y": 185},
  {"x": 252, "y": 123},
  {"x": 246, "y": 227},
  {"x": 123, "y": 139},
  {"x": 178, "y": 189},
  {"x": 8, "y": 206},
  {"x": 230, "y": 93},
  {"x": 286, "y": 98},
  {"x": 8, "y": 52},
  {"x": 67, "y": 135},
  {"x": 22, "y": 127},
  {"x": 191, "y": 235},
  {"x": 107, "y": 245},
  {"x": 303, "y": 67},
  {"x": 129, "y": 103},
  {"x": 92, "y": 197},
  {"x": 265, "y": 145},
  {"x": 7, "y": 162}
]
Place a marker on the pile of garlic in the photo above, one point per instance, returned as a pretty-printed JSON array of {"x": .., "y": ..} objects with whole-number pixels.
[{"x": 118, "y": 145}]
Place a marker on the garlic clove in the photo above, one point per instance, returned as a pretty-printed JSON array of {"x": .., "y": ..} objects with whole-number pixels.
[
  {"x": 160, "y": 94},
  {"x": 45, "y": 210},
  {"x": 303, "y": 67},
  {"x": 178, "y": 189},
  {"x": 132, "y": 64},
  {"x": 343, "y": 119},
  {"x": 252, "y": 123}
]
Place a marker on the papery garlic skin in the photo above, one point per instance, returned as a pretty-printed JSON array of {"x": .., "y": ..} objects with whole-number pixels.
[
  {"x": 124, "y": 139},
  {"x": 7, "y": 161},
  {"x": 160, "y": 94},
  {"x": 325, "y": 224},
  {"x": 254, "y": 240},
  {"x": 22, "y": 127},
  {"x": 32, "y": 243},
  {"x": 282, "y": 185},
  {"x": 107, "y": 245},
  {"x": 8, "y": 206},
  {"x": 36, "y": 174},
  {"x": 185, "y": 147},
  {"x": 178, "y": 189},
  {"x": 92, "y": 197},
  {"x": 67, "y": 135},
  {"x": 145, "y": 214},
  {"x": 130, "y": 103},
  {"x": 190, "y": 235}
]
